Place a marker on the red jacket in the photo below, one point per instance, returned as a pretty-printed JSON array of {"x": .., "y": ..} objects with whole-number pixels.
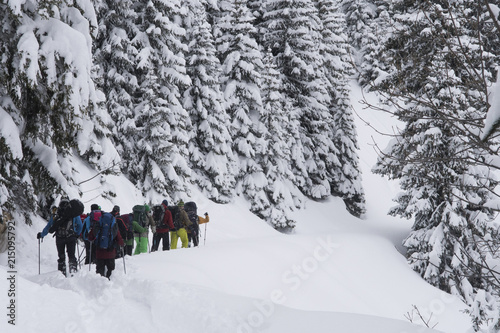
[
  {"x": 105, "y": 253},
  {"x": 167, "y": 220}
]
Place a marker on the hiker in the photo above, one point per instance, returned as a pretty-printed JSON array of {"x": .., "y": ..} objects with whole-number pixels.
[
  {"x": 142, "y": 222},
  {"x": 181, "y": 223},
  {"x": 65, "y": 222},
  {"x": 106, "y": 238},
  {"x": 92, "y": 217},
  {"x": 163, "y": 226},
  {"x": 194, "y": 229}
]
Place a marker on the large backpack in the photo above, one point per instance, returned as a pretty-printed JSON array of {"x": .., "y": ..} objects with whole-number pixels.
[
  {"x": 63, "y": 221},
  {"x": 125, "y": 226},
  {"x": 192, "y": 213},
  {"x": 75, "y": 208},
  {"x": 139, "y": 212},
  {"x": 158, "y": 216},
  {"x": 107, "y": 229},
  {"x": 122, "y": 227},
  {"x": 176, "y": 216}
]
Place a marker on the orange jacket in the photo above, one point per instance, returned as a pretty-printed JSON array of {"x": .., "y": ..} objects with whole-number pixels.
[{"x": 202, "y": 220}]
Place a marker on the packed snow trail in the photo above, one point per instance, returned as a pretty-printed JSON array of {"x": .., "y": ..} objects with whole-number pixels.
[{"x": 246, "y": 279}]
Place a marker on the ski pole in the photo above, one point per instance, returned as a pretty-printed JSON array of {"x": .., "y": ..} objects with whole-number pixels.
[
  {"x": 205, "y": 236},
  {"x": 38, "y": 256},
  {"x": 123, "y": 257},
  {"x": 90, "y": 256},
  {"x": 79, "y": 254}
]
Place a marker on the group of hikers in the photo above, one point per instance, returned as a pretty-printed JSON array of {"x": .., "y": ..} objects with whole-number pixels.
[{"x": 111, "y": 235}]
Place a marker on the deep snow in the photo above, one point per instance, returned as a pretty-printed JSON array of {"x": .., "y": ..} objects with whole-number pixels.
[{"x": 334, "y": 273}]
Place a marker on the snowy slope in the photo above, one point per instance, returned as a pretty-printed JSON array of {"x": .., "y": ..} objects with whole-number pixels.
[{"x": 335, "y": 273}]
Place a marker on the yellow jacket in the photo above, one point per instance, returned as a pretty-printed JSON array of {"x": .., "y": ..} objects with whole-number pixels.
[{"x": 202, "y": 220}]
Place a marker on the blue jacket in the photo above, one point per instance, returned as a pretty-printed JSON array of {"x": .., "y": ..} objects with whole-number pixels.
[
  {"x": 86, "y": 228},
  {"x": 77, "y": 225}
]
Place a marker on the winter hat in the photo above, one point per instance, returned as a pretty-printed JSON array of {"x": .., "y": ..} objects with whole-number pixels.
[
  {"x": 94, "y": 207},
  {"x": 146, "y": 208},
  {"x": 116, "y": 210},
  {"x": 165, "y": 202},
  {"x": 180, "y": 203}
]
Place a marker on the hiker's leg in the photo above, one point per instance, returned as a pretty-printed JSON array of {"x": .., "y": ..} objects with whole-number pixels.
[
  {"x": 156, "y": 242},
  {"x": 184, "y": 237},
  {"x": 110, "y": 264},
  {"x": 61, "y": 255},
  {"x": 70, "y": 248},
  {"x": 87, "y": 252},
  {"x": 196, "y": 237},
  {"x": 129, "y": 248},
  {"x": 166, "y": 242},
  {"x": 173, "y": 236},
  {"x": 137, "y": 245},
  {"x": 100, "y": 265},
  {"x": 144, "y": 245}
]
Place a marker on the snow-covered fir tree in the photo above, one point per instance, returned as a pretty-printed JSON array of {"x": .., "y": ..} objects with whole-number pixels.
[
  {"x": 275, "y": 116},
  {"x": 343, "y": 165},
  {"x": 359, "y": 15},
  {"x": 163, "y": 125},
  {"x": 50, "y": 96},
  {"x": 211, "y": 156},
  {"x": 441, "y": 99},
  {"x": 292, "y": 31},
  {"x": 367, "y": 29},
  {"x": 11, "y": 153},
  {"x": 241, "y": 68},
  {"x": 115, "y": 74}
]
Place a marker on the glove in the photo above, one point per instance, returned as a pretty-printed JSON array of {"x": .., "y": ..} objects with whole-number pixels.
[
  {"x": 206, "y": 214},
  {"x": 39, "y": 235}
]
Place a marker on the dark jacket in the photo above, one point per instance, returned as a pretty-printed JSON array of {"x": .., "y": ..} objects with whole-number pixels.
[
  {"x": 167, "y": 221},
  {"x": 77, "y": 226}
]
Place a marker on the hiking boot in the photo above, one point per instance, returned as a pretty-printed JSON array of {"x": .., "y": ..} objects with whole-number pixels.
[{"x": 61, "y": 266}]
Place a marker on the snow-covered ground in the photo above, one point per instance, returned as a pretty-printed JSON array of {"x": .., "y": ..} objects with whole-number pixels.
[{"x": 335, "y": 273}]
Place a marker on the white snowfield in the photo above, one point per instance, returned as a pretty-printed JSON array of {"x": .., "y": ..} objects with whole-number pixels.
[{"x": 334, "y": 273}]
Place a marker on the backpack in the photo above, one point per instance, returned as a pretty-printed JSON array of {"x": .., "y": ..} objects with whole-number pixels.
[
  {"x": 128, "y": 219},
  {"x": 139, "y": 212},
  {"x": 125, "y": 227},
  {"x": 122, "y": 226},
  {"x": 95, "y": 216},
  {"x": 176, "y": 216},
  {"x": 63, "y": 221},
  {"x": 63, "y": 227},
  {"x": 158, "y": 216},
  {"x": 75, "y": 208},
  {"x": 107, "y": 229},
  {"x": 192, "y": 213}
]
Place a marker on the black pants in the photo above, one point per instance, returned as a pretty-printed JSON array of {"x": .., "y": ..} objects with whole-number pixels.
[
  {"x": 156, "y": 241},
  {"x": 194, "y": 236},
  {"x": 128, "y": 249},
  {"x": 66, "y": 244},
  {"x": 89, "y": 254},
  {"x": 103, "y": 264}
]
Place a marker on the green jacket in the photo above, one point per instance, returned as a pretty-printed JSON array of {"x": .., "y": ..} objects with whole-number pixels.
[{"x": 138, "y": 230}]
